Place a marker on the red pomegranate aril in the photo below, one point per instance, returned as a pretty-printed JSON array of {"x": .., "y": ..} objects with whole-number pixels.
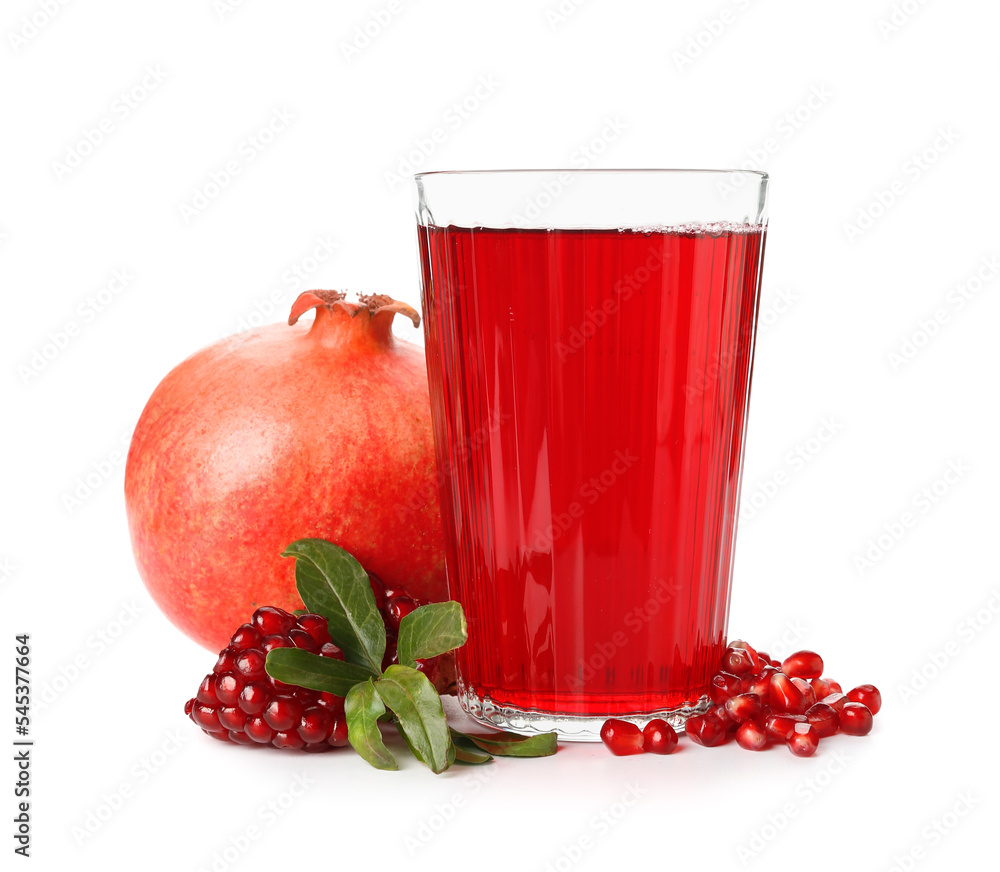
[
  {"x": 246, "y": 636},
  {"x": 758, "y": 664},
  {"x": 328, "y": 649},
  {"x": 258, "y": 730},
  {"x": 781, "y": 726},
  {"x": 250, "y": 664},
  {"x": 206, "y": 717},
  {"x": 803, "y": 664},
  {"x": 269, "y": 643},
  {"x": 240, "y": 738},
  {"x": 331, "y": 702},
  {"x": 764, "y": 658},
  {"x": 226, "y": 661},
  {"x": 707, "y": 729},
  {"x": 301, "y": 639},
  {"x": 836, "y": 701},
  {"x": 808, "y": 694},
  {"x": 744, "y": 707},
  {"x": 855, "y": 719},
  {"x": 724, "y": 685},
  {"x": 232, "y": 718},
  {"x": 271, "y": 621},
  {"x": 291, "y": 740},
  {"x": 804, "y": 741},
  {"x": 189, "y": 707},
  {"x": 751, "y": 736},
  {"x": 622, "y": 738},
  {"x": 397, "y": 608},
  {"x": 737, "y": 661},
  {"x": 824, "y": 719},
  {"x": 283, "y": 713},
  {"x": 206, "y": 691},
  {"x": 378, "y": 589},
  {"x": 254, "y": 697},
  {"x": 820, "y": 686},
  {"x": 391, "y": 656},
  {"x": 785, "y": 696},
  {"x": 868, "y": 695},
  {"x": 315, "y": 626},
  {"x": 338, "y": 735},
  {"x": 227, "y": 688},
  {"x": 315, "y": 725},
  {"x": 658, "y": 737},
  {"x": 760, "y": 685},
  {"x": 834, "y": 686}
]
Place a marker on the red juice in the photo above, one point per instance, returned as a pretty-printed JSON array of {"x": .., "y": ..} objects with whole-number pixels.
[{"x": 589, "y": 390}]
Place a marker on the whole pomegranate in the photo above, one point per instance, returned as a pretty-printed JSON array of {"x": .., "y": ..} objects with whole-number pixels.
[{"x": 279, "y": 434}]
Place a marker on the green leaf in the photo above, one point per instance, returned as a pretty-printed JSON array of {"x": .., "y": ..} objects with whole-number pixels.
[
  {"x": 295, "y": 666},
  {"x": 417, "y": 707},
  {"x": 510, "y": 744},
  {"x": 467, "y": 752},
  {"x": 431, "y": 630},
  {"x": 363, "y": 707},
  {"x": 333, "y": 584}
]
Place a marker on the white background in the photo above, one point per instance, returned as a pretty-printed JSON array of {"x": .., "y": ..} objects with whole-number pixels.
[{"x": 626, "y": 84}]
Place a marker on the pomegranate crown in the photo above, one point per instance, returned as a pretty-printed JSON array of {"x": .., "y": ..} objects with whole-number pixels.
[{"x": 373, "y": 304}]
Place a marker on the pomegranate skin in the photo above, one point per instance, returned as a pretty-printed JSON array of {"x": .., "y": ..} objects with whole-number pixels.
[{"x": 277, "y": 434}]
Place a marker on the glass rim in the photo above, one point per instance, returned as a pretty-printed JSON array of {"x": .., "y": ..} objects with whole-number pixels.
[{"x": 596, "y": 171}]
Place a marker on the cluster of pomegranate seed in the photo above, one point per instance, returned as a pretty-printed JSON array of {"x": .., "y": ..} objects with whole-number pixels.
[
  {"x": 762, "y": 701},
  {"x": 239, "y": 702},
  {"x": 624, "y": 737},
  {"x": 394, "y": 604}
]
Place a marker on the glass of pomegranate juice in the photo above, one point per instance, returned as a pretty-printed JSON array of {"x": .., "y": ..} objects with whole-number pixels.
[{"x": 589, "y": 339}]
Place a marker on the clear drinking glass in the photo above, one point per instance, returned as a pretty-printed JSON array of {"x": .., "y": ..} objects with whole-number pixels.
[{"x": 589, "y": 340}]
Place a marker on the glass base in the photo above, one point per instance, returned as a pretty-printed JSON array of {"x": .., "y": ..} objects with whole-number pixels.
[{"x": 570, "y": 727}]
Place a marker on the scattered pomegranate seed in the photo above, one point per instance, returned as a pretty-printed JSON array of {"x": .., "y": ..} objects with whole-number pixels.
[
  {"x": 708, "y": 729},
  {"x": 820, "y": 686},
  {"x": 739, "y": 659},
  {"x": 867, "y": 694},
  {"x": 855, "y": 719},
  {"x": 781, "y": 726},
  {"x": 804, "y": 741},
  {"x": 759, "y": 684},
  {"x": 785, "y": 696},
  {"x": 835, "y": 701},
  {"x": 744, "y": 707},
  {"x": 724, "y": 685},
  {"x": 658, "y": 737},
  {"x": 824, "y": 719},
  {"x": 834, "y": 686},
  {"x": 622, "y": 737},
  {"x": 803, "y": 664},
  {"x": 806, "y": 689},
  {"x": 751, "y": 735}
]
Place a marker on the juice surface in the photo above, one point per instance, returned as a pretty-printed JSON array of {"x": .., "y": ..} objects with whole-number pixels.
[{"x": 589, "y": 390}]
